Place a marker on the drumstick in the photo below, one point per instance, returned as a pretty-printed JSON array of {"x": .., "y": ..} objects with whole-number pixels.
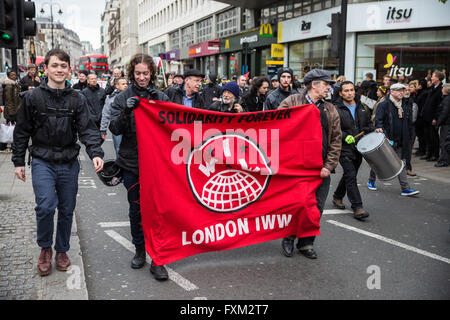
[{"x": 359, "y": 135}]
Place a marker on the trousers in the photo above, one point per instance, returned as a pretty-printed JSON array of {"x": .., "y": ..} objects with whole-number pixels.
[{"x": 55, "y": 186}]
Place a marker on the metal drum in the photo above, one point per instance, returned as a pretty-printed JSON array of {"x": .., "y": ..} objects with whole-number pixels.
[{"x": 380, "y": 156}]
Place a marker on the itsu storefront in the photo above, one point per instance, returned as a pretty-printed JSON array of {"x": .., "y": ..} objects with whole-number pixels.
[{"x": 399, "y": 38}]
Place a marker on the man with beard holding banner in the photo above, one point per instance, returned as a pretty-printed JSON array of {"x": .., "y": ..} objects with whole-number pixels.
[
  {"x": 142, "y": 75},
  {"x": 318, "y": 84}
]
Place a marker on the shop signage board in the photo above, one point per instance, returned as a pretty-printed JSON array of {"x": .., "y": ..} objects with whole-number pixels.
[
  {"x": 206, "y": 48},
  {"x": 389, "y": 15},
  {"x": 371, "y": 16},
  {"x": 277, "y": 50},
  {"x": 263, "y": 36}
]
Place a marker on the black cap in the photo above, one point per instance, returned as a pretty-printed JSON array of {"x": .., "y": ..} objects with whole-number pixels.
[
  {"x": 193, "y": 73},
  {"x": 317, "y": 75}
]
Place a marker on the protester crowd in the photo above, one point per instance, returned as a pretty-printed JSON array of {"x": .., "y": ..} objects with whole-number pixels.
[{"x": 401, "y": 109}]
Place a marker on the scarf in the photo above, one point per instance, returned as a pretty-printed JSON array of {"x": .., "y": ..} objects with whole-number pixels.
[{"x": 398, "y": 105}]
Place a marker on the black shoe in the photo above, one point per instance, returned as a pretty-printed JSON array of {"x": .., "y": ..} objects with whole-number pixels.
[
  {"x": 159, "y": 272},
  {"x": 288, "y": 247},
  {"x": 139, "y": 258},
  {"x": 309, "y": 253},
  {"x": 441, "y": 164},
  {"x": 432, "y": 159}
]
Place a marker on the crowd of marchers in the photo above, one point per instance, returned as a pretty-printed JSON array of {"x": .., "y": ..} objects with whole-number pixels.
[{"x": 56, "y": 115}]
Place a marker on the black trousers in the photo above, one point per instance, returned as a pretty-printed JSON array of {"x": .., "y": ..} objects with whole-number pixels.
[
  {"x": 348, "y": 184},
  {"x": 432, "y": 137}
]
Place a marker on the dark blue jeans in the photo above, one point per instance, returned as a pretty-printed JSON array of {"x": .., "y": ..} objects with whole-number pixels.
[
  {"x": 55, "y": 186},
  {"x": 131, "y": 183}
]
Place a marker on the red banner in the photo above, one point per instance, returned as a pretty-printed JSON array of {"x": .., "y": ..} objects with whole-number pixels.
[{"x": 217, "y": 181}]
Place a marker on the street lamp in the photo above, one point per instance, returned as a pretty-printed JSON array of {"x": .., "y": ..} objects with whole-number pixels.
[{"x": 51, "y": 4}]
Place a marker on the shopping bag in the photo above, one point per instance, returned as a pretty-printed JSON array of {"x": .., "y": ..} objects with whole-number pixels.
[{"x": 6, "y": 133}]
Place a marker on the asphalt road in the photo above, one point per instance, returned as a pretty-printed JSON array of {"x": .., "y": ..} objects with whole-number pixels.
[{"x": 402, "y": 251}]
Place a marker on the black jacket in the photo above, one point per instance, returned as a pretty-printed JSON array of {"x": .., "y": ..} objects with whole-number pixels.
[
  {"x": 444, "y": 112},
  {"x": 431, "y": 105},
  {"x": 219, "y": 106},
  {"x": 52, "y": 129},
  {"x": 96, "y": 97},
  {"x": 80, "y": 85},
  {"x": 353, "y": 127},
  {"x": 176, "y": 95},
  {"x": 387, "y": 118},
  {"x": 28, "y": 82},
  {"x": 210, "y": 91},
  {"x": 253, "y": 103},
  {"x": 123, "y": 124},
  {"x": 274, "y": 99}
]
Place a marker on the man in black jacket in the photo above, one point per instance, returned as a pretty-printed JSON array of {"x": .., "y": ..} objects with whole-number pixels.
[
  {"x": 82, "y": 81},
  {"x": 354, "y": 120},
  {"x": 187, "y": 94},
  {"x": 274, "y": 99},
  {"x": 54, "y": 116},
  {"x": 430, "y": 115},
  {"x": 443, "y": 123},
  {"x": 96, "y": 97},
  {"x": 394, "y": 119},
  {"x": 211, "y": 91},
  {"x": 30, "y": 80},
  {"x": 142, "y": 76}
]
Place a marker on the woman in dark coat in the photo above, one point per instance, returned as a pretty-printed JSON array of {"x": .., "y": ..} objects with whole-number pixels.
[{"x": 254, "y": 100}]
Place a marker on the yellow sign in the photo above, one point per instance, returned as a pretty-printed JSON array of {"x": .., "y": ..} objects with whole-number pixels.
[
  {"x": 277, "y": 50},
  {"x": 227, "y": 44},
  {"x": 274, "y": 63},
  {"x": 266, "y": 30}
]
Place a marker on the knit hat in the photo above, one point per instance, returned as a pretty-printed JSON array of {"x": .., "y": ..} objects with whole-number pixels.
[
  {"x": 285, "y": 70},
  {"x": 233, "y": 88}
]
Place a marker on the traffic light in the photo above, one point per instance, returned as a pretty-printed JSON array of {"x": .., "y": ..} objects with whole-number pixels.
[
  {"x": 9, "y": 37},
  {"x": 335, "y": 26},
  {"x": 26, "y": 26}
]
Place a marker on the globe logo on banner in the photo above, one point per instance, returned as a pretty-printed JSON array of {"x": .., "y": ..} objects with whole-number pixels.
[{"x": 228, "y": 172}]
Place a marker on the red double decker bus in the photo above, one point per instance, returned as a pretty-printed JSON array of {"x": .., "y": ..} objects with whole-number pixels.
[{"x": 93, "y": 62}]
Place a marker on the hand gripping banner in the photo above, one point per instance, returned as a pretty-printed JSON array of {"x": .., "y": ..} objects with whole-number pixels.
[{"x": 215, "y": 181}]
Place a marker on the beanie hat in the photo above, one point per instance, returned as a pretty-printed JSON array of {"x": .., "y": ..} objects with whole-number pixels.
[
  {"x": 233, "y": 88},
  {"x": 285, "y": 70}
]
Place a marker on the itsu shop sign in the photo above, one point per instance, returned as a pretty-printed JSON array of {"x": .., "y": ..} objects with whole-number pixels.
[
  {"x": 396, "y": 70},
  {"x": 395, "y": 15}
]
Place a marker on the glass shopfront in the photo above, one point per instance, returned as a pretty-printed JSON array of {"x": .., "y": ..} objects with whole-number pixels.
[
  {"x": 410, "y": 54},
  {"x": 313, "y": 54}
]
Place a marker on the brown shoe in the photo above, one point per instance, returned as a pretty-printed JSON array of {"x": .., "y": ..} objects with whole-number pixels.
[
  {"x": 411, "y": 173},
  {"x": 62, "y": 261},
  {"x": 339, "y": 204},
  {"x": 360, "y": 214},
  {"x": 44, "y": 266}
]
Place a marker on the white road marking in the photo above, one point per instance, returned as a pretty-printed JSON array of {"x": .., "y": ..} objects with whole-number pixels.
[
  {"x": 111, "y": 194},
  {"x": 114, "y": 224},
  {"x": 390, "y": 241},
  {"x": 336, "y": 211},
  {"x": 174, "y": 276}
]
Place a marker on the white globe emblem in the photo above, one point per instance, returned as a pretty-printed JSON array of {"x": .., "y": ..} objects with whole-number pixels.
[{"x": 228, "y": 172}]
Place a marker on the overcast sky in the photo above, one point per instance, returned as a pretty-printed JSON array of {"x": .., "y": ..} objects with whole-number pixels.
[{"x": 82, "y": 16}]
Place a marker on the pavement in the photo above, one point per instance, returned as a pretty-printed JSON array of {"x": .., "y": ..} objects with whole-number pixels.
[{"x": 19, "y": 252}]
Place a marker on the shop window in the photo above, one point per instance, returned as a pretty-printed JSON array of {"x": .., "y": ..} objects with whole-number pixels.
[{"x": 414, "y": 54}]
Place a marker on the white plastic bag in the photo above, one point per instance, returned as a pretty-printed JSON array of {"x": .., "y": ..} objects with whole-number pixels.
[{"x": 6, "y": 133}]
